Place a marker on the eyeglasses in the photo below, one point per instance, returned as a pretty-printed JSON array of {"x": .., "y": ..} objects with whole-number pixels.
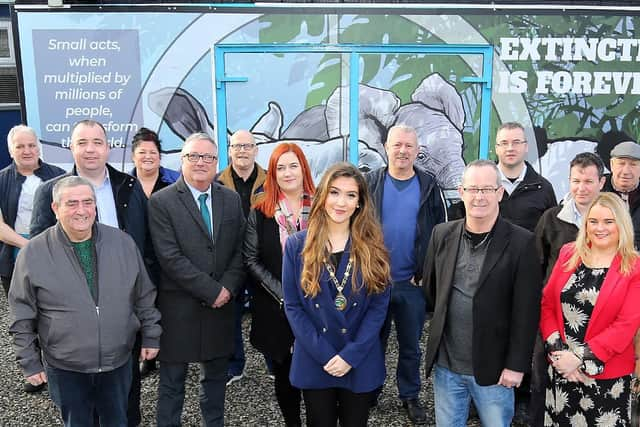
[
  {"x": 514, "y": 143},
  {"x": 194, "y": 157},
  {"x": 245, "y": 147},
  {"x": 475, "y": 190}
]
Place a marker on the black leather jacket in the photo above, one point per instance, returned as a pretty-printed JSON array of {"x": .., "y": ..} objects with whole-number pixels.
[{"x": 257, "y": 260}]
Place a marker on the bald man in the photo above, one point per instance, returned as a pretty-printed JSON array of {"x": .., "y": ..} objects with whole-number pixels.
[{"x": 245, "y": 177}]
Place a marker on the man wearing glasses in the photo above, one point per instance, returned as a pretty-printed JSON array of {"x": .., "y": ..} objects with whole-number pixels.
[
  {"x": 483, "y": 282},
  {"x": 245, "y": 177},
  {"x": 527, "y": 193},
  {"x": 197, "y": 228}
]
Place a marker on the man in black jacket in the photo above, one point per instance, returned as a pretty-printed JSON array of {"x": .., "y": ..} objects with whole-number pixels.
[
  {"x": 197, "y": 227},
  {"x": 482, "y": 284},
  {"x": 624, "y": 180},
  {"x": 120, "y": 203},
  {"x": 558, "y": 226},
  {"x": 18, "y": 183},
  {"x": 526, "y": 193}
]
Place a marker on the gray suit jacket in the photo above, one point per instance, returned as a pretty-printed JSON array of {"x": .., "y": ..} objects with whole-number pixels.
[{"x": 194, "y": 268}]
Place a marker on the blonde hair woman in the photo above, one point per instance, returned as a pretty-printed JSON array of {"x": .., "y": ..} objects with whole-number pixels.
[{"x": 589, "y": 318}]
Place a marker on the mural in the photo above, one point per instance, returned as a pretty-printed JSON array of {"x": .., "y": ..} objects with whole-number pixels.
[{"x": 571, "y": 80}]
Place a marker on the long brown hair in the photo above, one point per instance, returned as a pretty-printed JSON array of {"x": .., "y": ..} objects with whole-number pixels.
[
  {"x": 370, "y": 256},
  {"x": 268, "y": 203},
  {"x": 625, "y": 248}
]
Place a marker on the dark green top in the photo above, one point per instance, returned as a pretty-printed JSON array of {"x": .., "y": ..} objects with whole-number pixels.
[{"x": 87, "y": 257}]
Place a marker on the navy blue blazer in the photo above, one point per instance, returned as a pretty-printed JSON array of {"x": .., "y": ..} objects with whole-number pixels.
[{"x": 321, "y": 331}]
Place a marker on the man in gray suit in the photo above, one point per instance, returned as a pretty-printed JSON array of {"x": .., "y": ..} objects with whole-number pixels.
[{"x": 197, "y": 228}]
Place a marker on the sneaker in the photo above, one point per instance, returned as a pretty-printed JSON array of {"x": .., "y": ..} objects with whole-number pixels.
[
  {"x": 30, "y": 388},
  {"x": 233, "y": 378},
  {"x": 415, "y": 411}
]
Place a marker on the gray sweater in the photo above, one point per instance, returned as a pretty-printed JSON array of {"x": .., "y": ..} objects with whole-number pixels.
[{"x": 52, "y": 309}]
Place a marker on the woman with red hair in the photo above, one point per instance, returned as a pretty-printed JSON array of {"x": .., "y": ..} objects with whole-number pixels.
[{"x": 282, "y": 211}]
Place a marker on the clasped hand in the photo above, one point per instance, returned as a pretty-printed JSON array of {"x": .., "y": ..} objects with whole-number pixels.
[
  {"x": 223, "y": 297},
  {"x": 567, "y": 364},
  {"x": 337, "y": 367}
]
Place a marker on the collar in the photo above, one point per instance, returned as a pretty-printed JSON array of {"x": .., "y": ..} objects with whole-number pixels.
[
  {"x": 252, "y": 176},
  {"x": 623, "y": 192},
  {"x": 62, "y": 235},
  {"x": 466, "y": 233},
  {"x": 569, "y": 212},
  {"x": 107, "y": 179},
  {"x": 195, "y": 192},
  {"x": 504, "y": 178}
]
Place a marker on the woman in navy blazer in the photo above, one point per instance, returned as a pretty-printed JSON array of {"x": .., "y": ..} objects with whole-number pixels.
[
  {"x": 589, "y": 318},
  {"x": 335, "y": 279}
]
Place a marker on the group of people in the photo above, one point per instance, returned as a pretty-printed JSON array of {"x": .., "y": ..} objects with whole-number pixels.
[{"x": 329, "y": 269}]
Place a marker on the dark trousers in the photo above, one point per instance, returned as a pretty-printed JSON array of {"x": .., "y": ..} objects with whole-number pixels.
[
  {"x": 6, "y": 282},
  {"x": 80, "y": 396},
  {"x": 237, "y": 359},
  {"x": 539, "y": 382},
  {"x": 326, "y": 406},
  {"x": 213, "y": 379},
  {"x": 407, "y": 308},
  {"x": 288, "y": 396},
  {"x": 133, "y": 408}
]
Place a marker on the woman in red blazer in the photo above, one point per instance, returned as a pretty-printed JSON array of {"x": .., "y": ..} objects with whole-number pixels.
[{"x": 589, "y": 318}]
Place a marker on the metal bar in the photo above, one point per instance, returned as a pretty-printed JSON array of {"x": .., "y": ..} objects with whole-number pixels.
[
  {"x": 228, "y": 79},
  {"x": 449, "y": 49},
  {"x": 354, "y": 106},
  {"x": 221, "y": 107},
  {"x": 355, "y": 50},
  {"x": 485, "y": 109}
]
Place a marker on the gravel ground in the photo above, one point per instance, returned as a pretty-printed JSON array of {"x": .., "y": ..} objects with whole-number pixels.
[{"x": 249, "y": 402}]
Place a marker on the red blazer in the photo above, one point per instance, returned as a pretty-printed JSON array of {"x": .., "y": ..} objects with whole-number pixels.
[{"x": 615, "y": 318}]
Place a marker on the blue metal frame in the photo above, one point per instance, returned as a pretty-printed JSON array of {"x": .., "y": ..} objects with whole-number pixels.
[{"x": 354, "y": 51}]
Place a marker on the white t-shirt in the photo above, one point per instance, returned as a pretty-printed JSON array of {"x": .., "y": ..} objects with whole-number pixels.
[{"x": 25, "y": 204}]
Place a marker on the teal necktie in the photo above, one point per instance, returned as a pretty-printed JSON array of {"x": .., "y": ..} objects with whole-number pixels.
[{"x": 204, "y": 211}]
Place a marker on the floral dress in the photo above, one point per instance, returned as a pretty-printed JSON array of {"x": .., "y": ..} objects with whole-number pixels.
[{"x": 600, "y": 403}]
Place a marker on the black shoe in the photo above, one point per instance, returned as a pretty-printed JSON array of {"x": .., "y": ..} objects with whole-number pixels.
[
  {"x": 415, "y": 411},
  {"x": 147, "y": 367},
  {"x": 521, "y": 415},
  {"x": 30, "y": 388}
]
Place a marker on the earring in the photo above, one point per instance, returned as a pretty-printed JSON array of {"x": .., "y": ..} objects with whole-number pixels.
[{"x": 358, "y": 206}]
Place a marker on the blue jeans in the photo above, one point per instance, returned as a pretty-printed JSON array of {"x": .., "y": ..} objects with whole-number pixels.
[
  {"x": 79, "y": 396},
  {"x": 213, "y": 380},
  {"x": 453, "y": 392},
  {"x": 408, "y": 310}
]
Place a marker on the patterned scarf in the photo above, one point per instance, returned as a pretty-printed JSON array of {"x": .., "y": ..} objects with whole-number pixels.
[{"x": 284, "y": 217}]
